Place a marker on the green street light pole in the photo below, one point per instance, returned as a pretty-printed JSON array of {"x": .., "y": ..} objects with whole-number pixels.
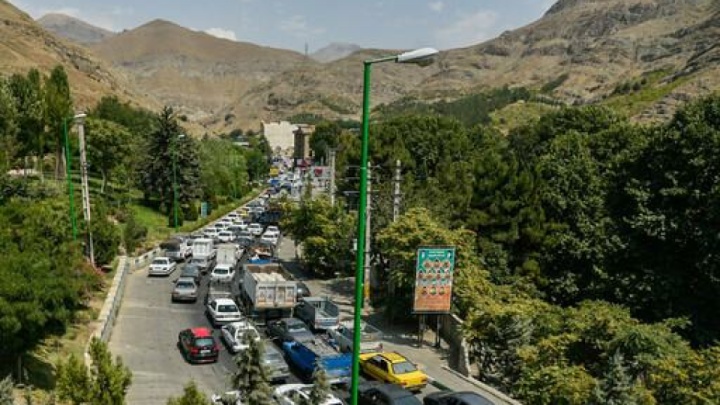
[
  {"x": 419, "y": 56},
  {"x": 71, "y": 191},
  {"x": 174, "y": 168}
]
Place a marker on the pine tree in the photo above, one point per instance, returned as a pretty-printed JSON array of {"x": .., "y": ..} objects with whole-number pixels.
[
  {"x": 191, "y": 396},
  {"x": 6, "y": 391},
  {"x": 321, "y": 386},
  {"x": 251, "y": 377},
  {"x": 616, "y": 387},
  {"x": 105, "y": 383}
]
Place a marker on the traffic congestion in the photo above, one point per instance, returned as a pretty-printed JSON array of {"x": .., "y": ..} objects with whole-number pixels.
[{"x": 229, "y": 270}]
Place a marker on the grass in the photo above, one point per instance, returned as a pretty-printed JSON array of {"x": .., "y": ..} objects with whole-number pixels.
[
  {"x": 157, "y": 223},
  {"x": 653, "y": 91}
]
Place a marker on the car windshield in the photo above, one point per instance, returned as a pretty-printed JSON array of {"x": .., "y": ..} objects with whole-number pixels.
[
  {"x": 227, "y": 308},
  {"x": 204, "y": 342},
  {"x": 296, "y": 327},
  {"x": 184, "y": 285},
  {"x": 190, "y": 270},
  {"x": 272, "y": 357},
  {"x": 403, "y": 367}
]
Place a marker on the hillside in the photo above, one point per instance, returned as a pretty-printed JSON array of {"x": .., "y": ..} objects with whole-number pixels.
[
  {"x": 24, "y": 45},
  {"x": 73, "y": 29},
  {"x": 586, "y": 47},
  {"x": 334, "y": 51},
  {"x": 194, "y": 72}
]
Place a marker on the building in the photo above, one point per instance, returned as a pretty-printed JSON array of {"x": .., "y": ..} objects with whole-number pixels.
[
  {"x": 302, "y": 152},
  {"x": 279, "y": 134}
]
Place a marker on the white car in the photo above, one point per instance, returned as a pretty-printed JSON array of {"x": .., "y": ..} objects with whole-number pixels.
[
  {"x": 230, "y": 397},
  {"x": 211, "y": 232},
  {"x": 223, "y": 310},
  {"x": 272, "y": 228},
  {"x": 222, "y": 273},
  {"x": 272, "y": 237},
  {"x": 234, "y": 335},
  {"x": 255, "y": 229},
  {"x": 162, "y": 266},
  {"x": 286, "y": 394},
  {"x": 226, "y": 236},
  {"x": 224, "y": 223}
]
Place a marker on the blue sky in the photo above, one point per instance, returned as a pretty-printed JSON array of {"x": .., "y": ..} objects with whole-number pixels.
[{"x": 390, "y": 24}]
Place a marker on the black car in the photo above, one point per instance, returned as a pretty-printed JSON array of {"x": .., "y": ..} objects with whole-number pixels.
[
  {"x": 456, "y": 398},
  {"x": 302, "y": 290},
  {"x": 289, "y": 329},
  {"x": 373, "y": 393},
  {"x": 192, "y": 270}
]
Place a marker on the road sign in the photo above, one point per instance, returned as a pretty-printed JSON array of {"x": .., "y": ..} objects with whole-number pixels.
[
  {"x": 434, "y": 279},
  {"x": 203, "y": 209}
]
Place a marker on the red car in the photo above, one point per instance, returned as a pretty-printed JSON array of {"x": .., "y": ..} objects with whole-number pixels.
[{"x": 198, "y": 345}]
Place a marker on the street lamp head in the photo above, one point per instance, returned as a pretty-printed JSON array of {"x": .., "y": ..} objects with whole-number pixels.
[
  {"x": 80, "y": 117},
  {"x": 422, "y": 56}
]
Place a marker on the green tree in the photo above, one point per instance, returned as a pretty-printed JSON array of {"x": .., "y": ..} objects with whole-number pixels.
[
  {"x": 105, "y": 383},
  {"x": 321, "y": 386},
  {"x": 28, "y": 94},
  {"x": 6, "y": 391},
  {"x": 616, "y": 387},
  {"x": 134, "y": 233},
  {"x": 9, "y": 146},
  {"x": 556, "y": 385},
  {"x": 191, "y": 396},
  {"x": 324, "y": 138},
  {"x": 251, "y": 377},
  {"x": 108, "y": 146},
  {"x": 58, "y": 106},
  {"x": 156, "y": 179},
  {"x": 106, "y": 235}
]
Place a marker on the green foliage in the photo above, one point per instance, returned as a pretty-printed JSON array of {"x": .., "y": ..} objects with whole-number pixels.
[
  {"x": 165, "y": 146},
  {"x": 133, "y": 234},
  {"x": 257, "y": 157},
  {"x": 191, "y": 396},
  {"x": 109, "y": 145},
  {"x": 138, "y": 121},
  {"x": 321, "y": 387},
  {"x": 58, "y": 107},
  {"x": 325, "y": 233},
  {"x": 324, "y": 138},
  {"x": 105, "y": 383},
  {"x": 6, "y": 391},
  {"x": 223, "y": 169},
  {"x": 28, "y": 94},
  {"x": 171, "y": 216},
  {"x": 251, "y": 377},
  {"x": 550, "y": 86},
  {"x": 616, "y": 386},
  {"x": 9, "y": 129},
  {"x": 106, "y": 235},
  {"x": 557, "y": 385}
]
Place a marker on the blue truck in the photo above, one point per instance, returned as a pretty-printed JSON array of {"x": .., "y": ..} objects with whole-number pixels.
[{"x": 305, "y": 356}]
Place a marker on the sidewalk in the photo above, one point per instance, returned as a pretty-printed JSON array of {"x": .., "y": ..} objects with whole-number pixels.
[{"x": 401, "y": 337}]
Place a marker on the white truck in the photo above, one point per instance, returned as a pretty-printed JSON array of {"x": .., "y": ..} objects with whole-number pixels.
[
  {"x": 203, "y": 253},
  {"x": 342, "y": 337},
  {"x": 268, "y": 292},
  {"x": 228, "y": 253},
  {"x": 319, "y": 313}
]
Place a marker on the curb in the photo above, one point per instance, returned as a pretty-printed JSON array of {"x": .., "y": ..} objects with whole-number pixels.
[{"x": 482, "y": 386}]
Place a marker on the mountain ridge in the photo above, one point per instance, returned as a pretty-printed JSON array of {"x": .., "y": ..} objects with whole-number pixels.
[{"x": 73, "y": 29}]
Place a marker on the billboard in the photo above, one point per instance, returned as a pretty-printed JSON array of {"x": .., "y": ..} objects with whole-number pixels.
[{"x": 434, "y": 280}]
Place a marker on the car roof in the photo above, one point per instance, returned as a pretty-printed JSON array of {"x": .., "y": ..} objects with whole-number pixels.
[
  {"x": 472, "y": 398},
  {"x": 222, "y": 266},
  {"x": 201, "y": 332},
  {"x": 225, "y": 301},
  {"x": 391, "y": 390},
  {"x": 393, "y": 357},
  {"x": 187, "y": 279},
  {"x": 292, "y": 321}
]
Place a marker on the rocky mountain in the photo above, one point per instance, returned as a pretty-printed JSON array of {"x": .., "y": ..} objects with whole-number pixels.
[
  {"x": 580, "y": 51},
  {"x": 196, "y": 73},
  {"x": 25, "y": 45},
  {"x": 73, "y": 29},
  {"x": 334, "y": 51}
]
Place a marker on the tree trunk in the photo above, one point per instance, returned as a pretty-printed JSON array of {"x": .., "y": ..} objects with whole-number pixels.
[
  {"x": 59, "y": 162},
  {"x": 104, "y": 181}
]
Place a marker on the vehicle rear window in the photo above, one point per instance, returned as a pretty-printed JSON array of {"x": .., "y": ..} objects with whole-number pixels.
[
  {"x": 227, "y": 308},
  {"x": 221, "y": 271},
  {"x": 159, "y": 261},
  {"x": 296, "y": 327},
  {"x": 403, "y": 367},
  {"x": 204, "y": 342},
  {"x": 185, "y": 285}
]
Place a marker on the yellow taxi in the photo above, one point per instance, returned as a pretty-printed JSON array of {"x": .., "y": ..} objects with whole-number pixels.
[{"x": 393, "y": 368}]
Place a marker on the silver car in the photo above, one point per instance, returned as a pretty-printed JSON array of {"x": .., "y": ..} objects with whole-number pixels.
[
  {"x": 276, "y": 364},
  {"x": 185, "y": 290}
]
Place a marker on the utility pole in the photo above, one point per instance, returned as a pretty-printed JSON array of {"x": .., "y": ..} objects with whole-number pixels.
[
  {"x": 396, "y": 192},
  {"x": 332, "y": 177},
  {"x": 368, "y": 238},
  {"x": 80, "y": 120}
]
